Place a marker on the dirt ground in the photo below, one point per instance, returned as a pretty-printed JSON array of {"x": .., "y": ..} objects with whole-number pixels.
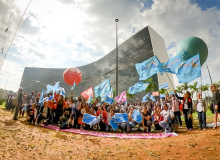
[{"x": 19, "y": 140}]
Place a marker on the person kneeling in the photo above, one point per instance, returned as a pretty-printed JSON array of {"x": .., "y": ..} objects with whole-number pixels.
[
  {"x": 65, "y": 119},
  {"x": 31, "y": 114},
  {"x": 146, "y": 121},
  {"x": 44, "y": 114},
  {"x": 168, "y": 119}
]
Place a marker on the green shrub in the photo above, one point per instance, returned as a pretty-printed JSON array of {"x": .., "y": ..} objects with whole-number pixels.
[{"x": 2, "y": 101}]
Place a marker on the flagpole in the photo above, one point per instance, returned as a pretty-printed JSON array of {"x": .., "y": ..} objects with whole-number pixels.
[
  {"x": 209, "y": 72},
  {"x": 170, "y": 80},
  {"x": 116, "y": 70}
]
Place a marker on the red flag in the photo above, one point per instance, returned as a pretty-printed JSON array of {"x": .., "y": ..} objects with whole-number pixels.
[
  {"x": 155, "y": 93},
  {"x": 86, "y": 94}
]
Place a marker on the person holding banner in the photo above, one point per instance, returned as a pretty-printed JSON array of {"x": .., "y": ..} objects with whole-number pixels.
[
  {"x": 215, "y": 106},
  {"x": 109, "y": 117},
  {"x": 146, "y": 121},
  {"x": 103, "y": 117},
  {"x": 187, "y": 109}
]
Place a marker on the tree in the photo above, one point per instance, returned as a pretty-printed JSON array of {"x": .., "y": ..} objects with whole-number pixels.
[
  {"x": 179, "y": 89},
  {"x": 129, "y": 96},
  {"x": 185, "y": 86},
  {"x": 152, "y": 85},
  {"x": 194, "y": 88},
  {"x": 217, "y": 84},
  {"x": 163, "y": 91}
]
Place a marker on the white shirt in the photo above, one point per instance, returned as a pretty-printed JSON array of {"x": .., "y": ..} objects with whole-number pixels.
[
  {"x": 186, "y": 105},
  {"x": 72, "y": 105},
  {"x": 199, "y": 106},
  {"x": 166, "y": 114},
  {"x": 175, "y": 105},
  {"x": 124, "y": 107}
]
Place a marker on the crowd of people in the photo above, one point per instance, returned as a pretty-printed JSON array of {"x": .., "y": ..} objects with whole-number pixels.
[{"x": 164, "y": 114}]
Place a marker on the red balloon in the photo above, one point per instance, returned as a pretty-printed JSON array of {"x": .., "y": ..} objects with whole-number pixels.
[{"x": 72, "y": 74}]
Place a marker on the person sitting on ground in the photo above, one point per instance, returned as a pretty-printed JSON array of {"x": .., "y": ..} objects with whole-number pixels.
[
  {"x": 157, "y": 118},
  {"x": 168, "y": 119},
  {"x": 44, "y": 114},
  {"x": 109, "y": 117},
  {"x": 103, "y": 117},
  {"x": 66, "y": 117},
  {"x": 146, "y": 120},
  {"x": 32, "y": 114},
  {"x": 201, "y": 109}
]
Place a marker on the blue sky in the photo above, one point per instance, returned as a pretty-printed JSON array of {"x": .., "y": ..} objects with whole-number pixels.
[{"x": 62, "y": 33}]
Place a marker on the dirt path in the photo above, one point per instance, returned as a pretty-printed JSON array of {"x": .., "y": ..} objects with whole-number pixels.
[{"x": 18, "y": 140}]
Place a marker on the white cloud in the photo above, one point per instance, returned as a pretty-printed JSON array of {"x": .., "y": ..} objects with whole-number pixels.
[{"x": 56, "y": 30}]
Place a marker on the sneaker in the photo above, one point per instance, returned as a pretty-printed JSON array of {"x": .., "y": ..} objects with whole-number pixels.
[
  {"x": 190, "y": 129},
  {"x": 203, "y": 129},
  {"x": 181, "y": 127}
]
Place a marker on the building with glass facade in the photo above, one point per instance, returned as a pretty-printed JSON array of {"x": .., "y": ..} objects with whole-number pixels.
[{"x": 140, "y": 47}]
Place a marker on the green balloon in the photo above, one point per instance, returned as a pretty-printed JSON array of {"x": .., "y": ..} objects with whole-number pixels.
[{"x": 193, "y": 45}]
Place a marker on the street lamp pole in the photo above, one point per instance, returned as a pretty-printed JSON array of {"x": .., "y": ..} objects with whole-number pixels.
[
  {"x": 5, "y": 88},
  {"x": 116, "y": 20}
]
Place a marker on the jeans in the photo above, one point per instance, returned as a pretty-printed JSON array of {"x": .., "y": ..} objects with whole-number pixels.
[
  {"x": 202, "y": 120},
  {"x": 177, "y": 117},
  {"x": 165, "y": 126},
  {"x": 17, "y": 109},
  {"x": 188, "y": 120}
]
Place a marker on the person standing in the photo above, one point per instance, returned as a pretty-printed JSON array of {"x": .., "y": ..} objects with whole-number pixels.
[
  {"x": 201, "y": 109},
  {"x": 175, "y": 106},
  {"x": 187, "y": 109},
  {"x": 20, "y": 101},
  {"x": 215, "y": 106}
]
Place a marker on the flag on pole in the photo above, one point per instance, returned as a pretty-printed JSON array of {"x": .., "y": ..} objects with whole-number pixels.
[
  {"x": 121, "y": 97},
  {"x": 170, "y": 65},
  {"x": 86, "y": 94},
  {"x": 63, "y": 92},
  {"x": 73, "y": 86},
  {"x": 103, "y": 88},
  {"x": 107, "y": 94},
  {"x": 56, "y": 86},
  {"x": 148, "y": 68},
  {"x": 188, "y": 70},
  {"x": 144, "y": 99},
  {"x": 109, "y": 100},
  {"x": 163, "y": 86},
  {"x": 138, "y": 87},
  {"x": 152, "y": 98},
  {"x": 162, "y": 96}
]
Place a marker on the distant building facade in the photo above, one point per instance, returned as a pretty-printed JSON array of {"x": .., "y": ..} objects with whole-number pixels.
[{"x": 140, "y": 47}]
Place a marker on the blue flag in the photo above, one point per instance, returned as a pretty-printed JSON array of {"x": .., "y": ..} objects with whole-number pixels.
[
  {"x": 164, "y": 86},
  {"x": 121, "y": 117},
  {"x": 188, "y": 70},
  {"x": 90, "y": 99},
  {"x": 152, "y": 98},
  {"x": 138, "y": 87},
  {"x": 137, "y": 116},
  {"x": 113, "y": 124},
  {"x": 170, "y": 65},
  {"x": 90, "y": 119},
  {"x": 73, "y": 86},
  {"x": 170, "y": 93},
  {"x": 62, "y": 92},
  {"x": 102, "y": 88},
  {"x": 49, "y": 87},
  {"x": 56, "y": 86},
  {"x": 148, "y": 68},
  {"x": 41, "y": 97},
  {"x": 162, "y": 96},
  {"x": 109, "y": 100},
  {"x": 145, "y": 98},
  {"x": 107, "y": 94}
]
